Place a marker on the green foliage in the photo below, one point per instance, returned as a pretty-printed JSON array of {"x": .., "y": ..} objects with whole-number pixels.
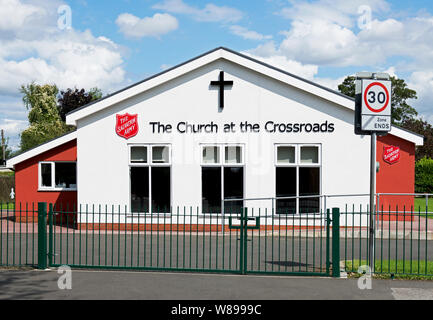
[
  {"x": 347, "y": 87},
  {"x": 41, "y": 101},
  {"x": 424, "y": 128},
  {"x": 40, "y": 133},
  {"x": 424, "y": 176},
  {"x": 47, "y": 114},
  {"x": 44, "y": 118},
  {"x": 401, "y": 110}
]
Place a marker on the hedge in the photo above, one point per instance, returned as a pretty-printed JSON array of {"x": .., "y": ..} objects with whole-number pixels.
[{"x": 424, "y": 175}]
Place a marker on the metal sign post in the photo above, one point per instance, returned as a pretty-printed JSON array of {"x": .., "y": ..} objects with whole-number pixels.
[
  {"x": 372, "y": 117},
  {"x": 372, "y": 204}
]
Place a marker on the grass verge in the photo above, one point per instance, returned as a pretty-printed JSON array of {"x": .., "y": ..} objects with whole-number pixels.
[
  {"x": 419, "y": 205},
  {"x": 396, "y": 269},
  {"x": 7, "y": 206}
]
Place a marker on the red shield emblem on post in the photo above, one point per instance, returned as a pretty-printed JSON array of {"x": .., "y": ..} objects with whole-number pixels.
[
  {"x": 127, "y": 125},
  {"x": 391, "y": 154}
]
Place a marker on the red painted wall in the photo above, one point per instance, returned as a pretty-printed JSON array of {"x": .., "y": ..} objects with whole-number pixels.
[
  {"x": 398, "y": 177},
  {"x": 26, "y": 180}
]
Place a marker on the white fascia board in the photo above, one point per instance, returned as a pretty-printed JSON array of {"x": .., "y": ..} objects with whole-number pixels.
[
  {"x": 246, "y": 62},
  {"x": 418, "y": 140},
  {"x": 41, "y": 149}
]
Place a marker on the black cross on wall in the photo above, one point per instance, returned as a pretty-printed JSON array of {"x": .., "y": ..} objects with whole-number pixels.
[{"x": 221, "y": 84}]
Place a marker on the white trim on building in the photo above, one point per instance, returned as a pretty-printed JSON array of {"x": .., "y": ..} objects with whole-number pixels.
[{"x": 41, "y": 149}]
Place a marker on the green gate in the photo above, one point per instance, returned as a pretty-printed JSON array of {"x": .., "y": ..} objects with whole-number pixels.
[
  {"x": 248, "y": 242},
  {"x": 288, "y": 244}
]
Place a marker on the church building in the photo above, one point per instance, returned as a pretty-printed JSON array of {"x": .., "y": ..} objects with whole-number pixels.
[{"x": 219, "y": 132}]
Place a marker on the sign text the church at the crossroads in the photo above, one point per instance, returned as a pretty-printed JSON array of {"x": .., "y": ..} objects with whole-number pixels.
[{"x": 185, "y": 127}]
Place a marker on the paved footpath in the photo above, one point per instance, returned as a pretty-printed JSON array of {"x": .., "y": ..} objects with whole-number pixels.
[{"x": 33, "y": 284}]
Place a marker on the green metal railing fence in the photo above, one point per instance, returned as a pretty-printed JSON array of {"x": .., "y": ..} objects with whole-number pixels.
[
  {"x": 254, "y": 240},
  {"x": 184, "y": 239},
  {"x": 18, "y": 237},
  {"x": 403, "y": 242}
]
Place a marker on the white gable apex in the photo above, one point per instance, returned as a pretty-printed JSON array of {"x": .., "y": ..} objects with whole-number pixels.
[{"x": 207, "y": 58}]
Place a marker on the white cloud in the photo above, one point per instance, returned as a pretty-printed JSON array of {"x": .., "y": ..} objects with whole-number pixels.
[
  {"x": 32, "y": 48},
  {"x": 50, "y": 55},
  {"x": 12, "y": 127},
  {"x": 422, "y": 83},
  {"x": 67, "y": 59},
  {"x": 14, "y": 14},
  {"x": 320, "y": 42},
  {"x": 134, "y": 27},
  {"x": 248, "y": 34},
  {"x": 210, "y": 13},
  {"x": 325, "y": 32},
  {"x": 263, "y": 53},
  {"x": 341, "y": 12}
]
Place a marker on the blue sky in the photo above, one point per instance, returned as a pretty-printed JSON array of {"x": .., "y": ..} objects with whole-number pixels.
[{"x": 111, "y": 44}]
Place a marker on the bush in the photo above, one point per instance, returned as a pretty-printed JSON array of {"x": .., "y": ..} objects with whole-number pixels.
[{"x": 424, "y": 175}]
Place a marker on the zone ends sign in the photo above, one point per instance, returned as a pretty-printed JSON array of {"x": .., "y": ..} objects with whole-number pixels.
[
  {"x": 376, "y": 105},
  {"x": 373, "y": 105}
]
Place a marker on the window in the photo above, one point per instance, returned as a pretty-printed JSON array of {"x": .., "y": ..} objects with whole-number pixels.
[
  {"x": 150, "y": 181},
  {"x": 298, "y": 174},
  {"x": 286, "y": 154},
  {"x": 58, "y": 176},
  {"x": 138, "y": 154},
  {"x": 222, "y": 178}
]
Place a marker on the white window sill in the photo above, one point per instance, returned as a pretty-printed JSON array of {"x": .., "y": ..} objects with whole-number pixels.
[{"x": 56, "y": 190}]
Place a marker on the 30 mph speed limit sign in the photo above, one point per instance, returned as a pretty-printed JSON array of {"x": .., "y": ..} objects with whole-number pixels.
[{"x": 376, "y": 105}]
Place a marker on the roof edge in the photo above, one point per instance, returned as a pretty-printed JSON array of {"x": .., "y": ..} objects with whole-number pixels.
[{"x": 46, "y": 146}]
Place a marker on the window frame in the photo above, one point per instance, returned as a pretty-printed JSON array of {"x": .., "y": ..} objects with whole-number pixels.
[
  {"x": 149, "y": 151},
  {"x": 53, "y": 177},
  {"x": 222, "y": 164},
  {"x": 298, "y": 164},
  {"x": 150, "y": 164}
]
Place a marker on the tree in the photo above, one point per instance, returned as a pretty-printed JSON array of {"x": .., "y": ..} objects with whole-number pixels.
[
  {"x": 72, "y": 99},
  {"x": 401, "y": 111},
  {"x": 8, "y": 150},
  {"x": 44, "y": 119},
  {"x": 424, "y": 128}
]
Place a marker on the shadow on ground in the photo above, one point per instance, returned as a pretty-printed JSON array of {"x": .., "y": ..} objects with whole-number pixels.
[{"x": 17, "y": 284}]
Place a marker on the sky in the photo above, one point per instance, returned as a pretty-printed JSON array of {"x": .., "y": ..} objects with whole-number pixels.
[{"x": 112, "y": 44}]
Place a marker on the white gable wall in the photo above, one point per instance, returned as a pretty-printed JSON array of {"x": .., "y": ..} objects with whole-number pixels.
[{"x": 103, "y": 171}]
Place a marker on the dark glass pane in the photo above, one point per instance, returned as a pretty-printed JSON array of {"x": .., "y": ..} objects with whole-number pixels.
[
  {"x": 233, "y": 189},
  {"x": 309, "y": 184},
  {"x": 161, "y": 183},
  {"x": 66, "y": 175},
  {"x": 286, "y": 187},
  {"x": 46, "y": 174},
  {"x": 211, "y": 189},
  {"x": 140, "y": 189}
]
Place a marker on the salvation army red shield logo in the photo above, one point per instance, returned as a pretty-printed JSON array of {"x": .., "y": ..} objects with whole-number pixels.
[
  {"x": 127, "y": 125},
  {"x": 391, "y": 154}
]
